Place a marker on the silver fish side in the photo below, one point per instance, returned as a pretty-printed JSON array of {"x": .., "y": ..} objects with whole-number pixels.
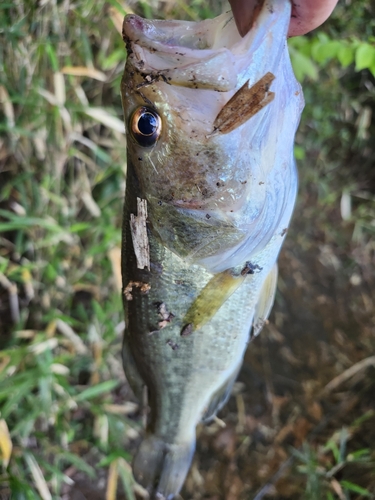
[{"x": 206, "y": 210}]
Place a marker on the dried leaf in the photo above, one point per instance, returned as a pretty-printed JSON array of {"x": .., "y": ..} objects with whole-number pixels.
[
  {"x": 117, "y": 17},
  {"x": 84, "y": 71},
  {"x": 125, "y": 409},
  {"x": 5, "y": 443},
  {"x": 68, "y": 332},
  {"x": 37, "y": 474},
  {"x": 7, "y": 106},
  {"x": 59, "y": 84},
  {"x": 337, "y": 489},
  {"x": 43, "y": 346},
  {"x": 91, "y": 204},
  {"x": 126, "y": 476},
  {"x": 115, "y": 257},
  {"x": 106, "y": 119},
  {"x": 112, "y": 481},
  {"x": 346, "y": 205}
]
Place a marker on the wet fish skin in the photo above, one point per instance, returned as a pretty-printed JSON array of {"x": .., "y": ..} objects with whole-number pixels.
[{"x": 217, "y": 209}]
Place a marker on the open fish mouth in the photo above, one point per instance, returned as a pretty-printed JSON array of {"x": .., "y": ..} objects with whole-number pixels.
[{"x": 208, "y": 54}]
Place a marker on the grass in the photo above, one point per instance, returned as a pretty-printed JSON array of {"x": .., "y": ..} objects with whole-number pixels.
[
  {"x": 61, "y": 193},
  {"x": 321, "y": 466},
  {"x": 65, "y": 406}
]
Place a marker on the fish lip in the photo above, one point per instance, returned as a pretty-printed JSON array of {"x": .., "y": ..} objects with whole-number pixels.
[
  {"x": 153, "y": 52},
  {"x": 136, "y": 29}
]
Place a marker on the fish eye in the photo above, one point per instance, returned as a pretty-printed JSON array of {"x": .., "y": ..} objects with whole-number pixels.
[{"x": 145, "y": 126}]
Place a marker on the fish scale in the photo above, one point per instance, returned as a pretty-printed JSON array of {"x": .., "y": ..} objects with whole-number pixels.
[{"x": 210, "y": 191}]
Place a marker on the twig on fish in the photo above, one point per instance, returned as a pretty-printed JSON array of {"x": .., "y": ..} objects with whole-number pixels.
[
  {"x": 245, "y": 103},
  {"x": 139, "y": 235},
  {"x": 152, "y": 78}
]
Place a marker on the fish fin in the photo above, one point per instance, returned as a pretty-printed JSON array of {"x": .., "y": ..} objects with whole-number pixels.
[
  {"x": 220, "y": 397},
  {"x": 265, "y": 301},
  {"x": 131, "y": 371},
  {"x": 162, "y": 467}
]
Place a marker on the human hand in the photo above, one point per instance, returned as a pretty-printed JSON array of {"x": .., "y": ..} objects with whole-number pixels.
[{"x": 306, "y": 14}]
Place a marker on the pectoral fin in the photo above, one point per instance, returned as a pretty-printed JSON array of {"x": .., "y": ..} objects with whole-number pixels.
[
  {"x": 221, "y": 396},
  {"x": 265, "y": 301}
]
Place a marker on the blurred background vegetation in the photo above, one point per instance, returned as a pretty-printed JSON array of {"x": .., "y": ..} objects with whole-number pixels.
[{"x": 69, "y": 423}]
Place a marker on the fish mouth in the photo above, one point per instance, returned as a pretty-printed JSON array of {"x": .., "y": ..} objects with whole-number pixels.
[{"x": 209, "y": 54}]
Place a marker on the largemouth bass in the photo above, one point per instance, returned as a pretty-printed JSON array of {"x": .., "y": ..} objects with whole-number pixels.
[{"x": 211, "y": 185}]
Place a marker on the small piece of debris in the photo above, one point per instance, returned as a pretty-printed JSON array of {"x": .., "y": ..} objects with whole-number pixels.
[
  {"x": 245, "y": 103},
  {"x": 144, "y": 288},
  {"x": 250, "y": 268},
  {"x": 187, "y": 330},
  {"x": 172, "y": 344},
  {"x": 284, "y": 231},
  {"x": 139, "y": 235},
  {"x": 165, "y": 315}
]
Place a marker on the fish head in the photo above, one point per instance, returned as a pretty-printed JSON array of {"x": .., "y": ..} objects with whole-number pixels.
[{"x": 179, "y": 77}]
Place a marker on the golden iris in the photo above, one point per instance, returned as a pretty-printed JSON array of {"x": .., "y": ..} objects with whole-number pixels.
[{"x": 145, "y": 126}]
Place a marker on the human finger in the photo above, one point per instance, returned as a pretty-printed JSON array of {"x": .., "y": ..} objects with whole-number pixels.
[{"x": 306, "y": 14}]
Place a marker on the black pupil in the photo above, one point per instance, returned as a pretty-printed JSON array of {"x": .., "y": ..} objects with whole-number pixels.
[{"x": 147, "y": 124}]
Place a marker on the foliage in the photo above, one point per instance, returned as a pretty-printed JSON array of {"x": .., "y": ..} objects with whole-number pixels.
[
  {"x": 309, "y": 55},
  {"x": 346, "y": 40},
  {"x": 321, "y": 467},
  {"x": 335, "y": 139}
]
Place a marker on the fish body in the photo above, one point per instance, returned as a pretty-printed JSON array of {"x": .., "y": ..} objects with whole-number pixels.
[{"x": 210, "y": 189}]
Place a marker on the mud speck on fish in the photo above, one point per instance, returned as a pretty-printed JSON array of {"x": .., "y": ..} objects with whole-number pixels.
[
  {"x": 187, "y": 330},
  {"x": 172, "y": 344}
]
